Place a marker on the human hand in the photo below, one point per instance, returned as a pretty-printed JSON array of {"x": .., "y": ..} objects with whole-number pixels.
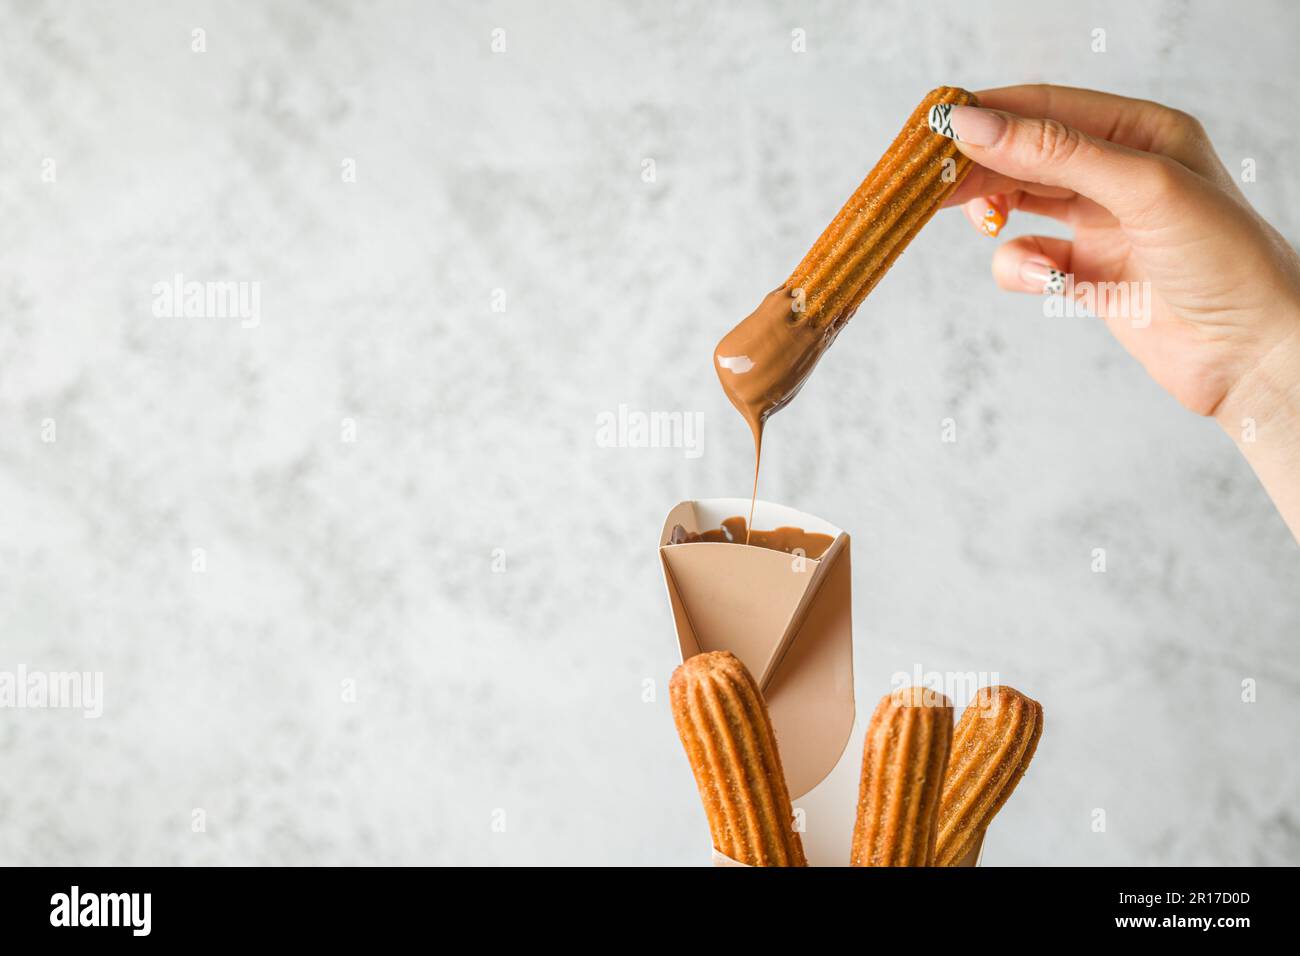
[{"x": 1153, "y": 208}]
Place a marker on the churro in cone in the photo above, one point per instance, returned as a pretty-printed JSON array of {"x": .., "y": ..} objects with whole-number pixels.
[
  {"x": 725, "y": 728},
  {"x": 903, "y": 761},
  {"x": 991, "y": 749}
]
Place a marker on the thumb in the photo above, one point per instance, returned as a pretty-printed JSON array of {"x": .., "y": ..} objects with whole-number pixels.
[{"x": 1131, "y": 184}]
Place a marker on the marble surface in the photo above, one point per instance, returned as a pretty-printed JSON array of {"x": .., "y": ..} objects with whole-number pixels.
[{"x": 432, "y": 643}]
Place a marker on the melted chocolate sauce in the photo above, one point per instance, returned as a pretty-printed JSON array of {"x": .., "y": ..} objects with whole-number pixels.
[{"x": 734, "y": 531}]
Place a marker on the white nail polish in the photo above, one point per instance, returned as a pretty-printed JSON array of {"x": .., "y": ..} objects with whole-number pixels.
[
  {"x": 1052, "y": 279},
  {"x": 940, "y": 120}
]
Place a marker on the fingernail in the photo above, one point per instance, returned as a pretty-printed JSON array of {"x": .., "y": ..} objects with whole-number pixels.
[
  {"x": 992, "y": 221},
  {"x": 1040, "y": 272},
  {"x": 967, "y": 124}
]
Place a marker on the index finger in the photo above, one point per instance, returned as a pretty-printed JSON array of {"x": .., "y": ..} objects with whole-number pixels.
[{"x": 1137, "y": 124}]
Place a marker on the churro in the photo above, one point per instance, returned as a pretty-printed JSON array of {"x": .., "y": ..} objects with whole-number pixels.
[
  {"x": 903, "y": 760},
  {"x": 765, "y": 359},
  {"x": 725, "y": 728},
  {"x": 991, "y": 749}
]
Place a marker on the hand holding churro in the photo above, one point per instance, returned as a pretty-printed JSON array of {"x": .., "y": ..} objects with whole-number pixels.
[{"x": 1166, "y": 249}]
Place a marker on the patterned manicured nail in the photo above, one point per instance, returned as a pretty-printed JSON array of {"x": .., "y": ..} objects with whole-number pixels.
[
  {"x": 941, "y": 120},
  {"x": 1042, "y": 273},
  {"x": 967, "y": 124},
  {"x": 993, "y": 220}
]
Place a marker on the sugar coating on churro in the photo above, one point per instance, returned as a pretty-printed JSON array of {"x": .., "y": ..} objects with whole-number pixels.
[
  {"x": 725, "y": 728},
  {"x": 900, "y": 194},
  {"x": 991, "y": 749},
  {"x": 764, "y": 361},
  {"x": 903, "y": 761}
]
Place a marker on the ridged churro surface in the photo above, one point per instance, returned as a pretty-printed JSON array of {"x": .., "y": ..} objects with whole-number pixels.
[
  {"x": 898, "y": 197},
  {"x": 764, "y": 361},
  {"x": 725, "y": 728},
  {"x": 903, "y": 761},
  {"x": 991, "y": 749}
]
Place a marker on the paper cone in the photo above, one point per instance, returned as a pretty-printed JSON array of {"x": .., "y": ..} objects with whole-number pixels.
[
  {"x": 787, "y": 618},
  {"x": 790, "y": 622}
]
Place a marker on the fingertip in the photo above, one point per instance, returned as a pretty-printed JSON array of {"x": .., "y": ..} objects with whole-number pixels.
[
  {"x": 988, "y": 214},
  {"x": 996, "y": 214},
  {"x": 969, "y": 125},
  {"x": 1035, "y": 264}
]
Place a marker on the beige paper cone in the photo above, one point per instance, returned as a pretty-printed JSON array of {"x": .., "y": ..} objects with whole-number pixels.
[
  {"x": 790, "y": 623},
  {"x": 787, "y": 618}
]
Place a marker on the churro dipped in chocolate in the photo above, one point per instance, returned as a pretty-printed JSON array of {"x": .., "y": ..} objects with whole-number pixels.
[
  {"x": 903, "y": 761},
  {"x": 725, "y": 728},
  {"x": 765, "y": 359},
  {"x": 991, "y": 749}
]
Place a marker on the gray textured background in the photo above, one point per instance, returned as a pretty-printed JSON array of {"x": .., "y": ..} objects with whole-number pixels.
[{"x": 372, "y": 561}]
